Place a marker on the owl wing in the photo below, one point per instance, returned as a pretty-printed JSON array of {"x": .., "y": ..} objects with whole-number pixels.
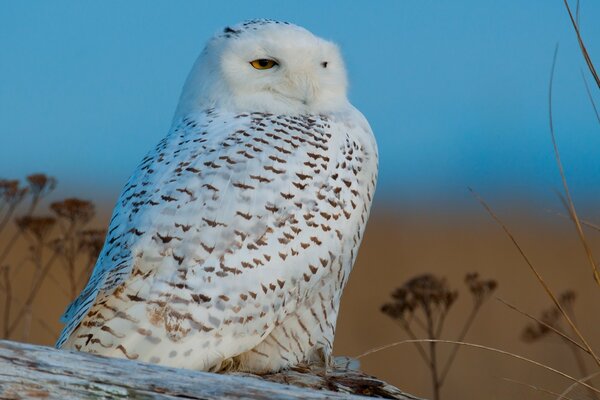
[{"x": 241, "y": 215}]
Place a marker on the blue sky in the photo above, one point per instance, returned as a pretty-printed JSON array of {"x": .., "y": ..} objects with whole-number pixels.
[{"x": 456, "y": 91}]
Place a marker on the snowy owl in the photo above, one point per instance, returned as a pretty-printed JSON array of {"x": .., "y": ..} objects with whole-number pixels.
[{"x": 232, "y": 241}]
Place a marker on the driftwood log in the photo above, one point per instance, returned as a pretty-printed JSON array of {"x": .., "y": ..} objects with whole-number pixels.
[{"x": 33, "y": 372}]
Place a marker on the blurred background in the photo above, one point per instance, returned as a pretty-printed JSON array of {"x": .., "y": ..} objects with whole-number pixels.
[{"x": 457, "y": 95}]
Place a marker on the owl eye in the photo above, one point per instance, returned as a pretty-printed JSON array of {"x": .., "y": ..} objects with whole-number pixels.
[{"x": 263, "y": 63}]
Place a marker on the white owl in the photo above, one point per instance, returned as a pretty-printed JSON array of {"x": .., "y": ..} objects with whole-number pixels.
[{"x": 231, "y": 243}]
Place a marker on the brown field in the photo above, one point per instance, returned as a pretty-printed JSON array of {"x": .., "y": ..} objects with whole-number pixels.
[{"x": 399, "y": 246}]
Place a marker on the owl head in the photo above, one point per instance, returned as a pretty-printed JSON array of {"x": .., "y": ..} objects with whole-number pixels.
[{"x": 266, "y": 66}]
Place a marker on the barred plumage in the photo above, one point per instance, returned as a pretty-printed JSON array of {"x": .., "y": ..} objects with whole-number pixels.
[{"x": 231, "y": 243}]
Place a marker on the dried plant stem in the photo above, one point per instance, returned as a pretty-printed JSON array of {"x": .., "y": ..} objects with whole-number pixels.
[
  {"x": 86, "y": 272},
  {"x": 37, "y": 257},
  {"x": 580, "y": 363},
  {"x": 11, "y": 242},
  {"x": 461, "y": 337},
  {"x": 412, "y": 335},
  {"x": 591, "y": 225},
  {"x": 73, "y": 214},
  {"x": 433, "y": 364},
  {"x": 37, "y": 319},
  {"x": 11, "y": 210},
  {"x": 586, "y": 56},
  {"x": 480, "y": 346},
  {"x": 46, "y": 327},
  {"x": 18, "y": 233},
  {"x": 419, "y": 322},
  {"x": 58, "y": 284},
  {"x": 581, "y": 366},
  {"x": 539, "y": 321},
  {"x": 7, "y": 216},
  {"x": 584, "y": 222},
  {"x": 32, "y": 295},
  {"x": 576, "y": 354},
  {"x": 7, "y": 299},
  {"x": 539, "y": 277},
  {"x": 71, "y": 255},
  {"x": 440, "y": 323},
  {"x": 570, "y": 204}
]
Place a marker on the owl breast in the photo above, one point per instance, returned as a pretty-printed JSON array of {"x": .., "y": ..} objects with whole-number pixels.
[{"x": 231, "y": 244}]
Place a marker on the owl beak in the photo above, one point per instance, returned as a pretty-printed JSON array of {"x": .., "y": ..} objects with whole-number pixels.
[
  {"x": 302, "y": 88},
  {"x": 307, "y": 89}
]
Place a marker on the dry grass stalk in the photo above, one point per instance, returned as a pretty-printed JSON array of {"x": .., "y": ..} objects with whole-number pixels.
[
  {"x": 538, "y": 277},
  {"x": 482, "y": 347},
  {"x": 590, "y": 97},
  {"x": 547, "y": 326},
  {"x": 578, "y": 383},
  {"x": 539, "y": 389},
  {"x": 569, "y": 204},
  {"x": 550, "y": 322},
  {"x": 584, "y": 222},
  {"x": 425, "y": 301},
  {"x": 584, "y": 51}
]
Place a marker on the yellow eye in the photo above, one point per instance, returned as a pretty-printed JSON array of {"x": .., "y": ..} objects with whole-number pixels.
[{"x": 263, "y": 63}]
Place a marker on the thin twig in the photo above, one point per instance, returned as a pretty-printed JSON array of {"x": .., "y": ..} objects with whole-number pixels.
[{"x": 538, "y": 276}]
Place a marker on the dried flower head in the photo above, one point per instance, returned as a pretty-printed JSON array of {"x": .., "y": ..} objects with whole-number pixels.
[
  {"x": 76, "y": 211},
  {"x": 38, "y": 227},
  {"x": 41, "y": 184},
  {"x": 11, "y": 192},
  {"x": 567, "y": 298},
  {"x": 551, "y": 317},
  {"x": 427, "y": 292},
  {"x": 480, "y": 289}
]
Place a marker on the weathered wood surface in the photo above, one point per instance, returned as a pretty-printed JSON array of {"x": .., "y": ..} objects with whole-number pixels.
[{"x": 32, "y": 372}]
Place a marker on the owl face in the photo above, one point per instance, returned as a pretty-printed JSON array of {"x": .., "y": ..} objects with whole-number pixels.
[{"x": 271, "y": 67}]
